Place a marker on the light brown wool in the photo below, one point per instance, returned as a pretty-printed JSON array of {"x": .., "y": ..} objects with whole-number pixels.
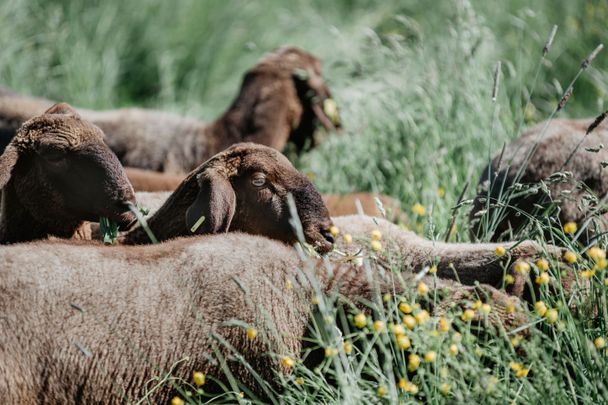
[{"x": 140, "y": 310}]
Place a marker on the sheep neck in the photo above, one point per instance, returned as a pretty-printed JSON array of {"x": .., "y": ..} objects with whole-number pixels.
[{"x": 17, "y": 224}]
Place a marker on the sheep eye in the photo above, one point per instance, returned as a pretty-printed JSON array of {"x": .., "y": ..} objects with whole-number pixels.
[{"x": 258, "y": 180}]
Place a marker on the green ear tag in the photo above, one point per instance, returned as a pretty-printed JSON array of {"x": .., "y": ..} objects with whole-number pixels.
[{"x": 197, "y": 224}]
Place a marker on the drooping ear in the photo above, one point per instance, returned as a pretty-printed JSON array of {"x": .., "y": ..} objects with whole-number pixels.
[
  {"x": 8, "y": 160},
  {"x": 62, "y": 108},
  {"x": 214, "y": 206}
]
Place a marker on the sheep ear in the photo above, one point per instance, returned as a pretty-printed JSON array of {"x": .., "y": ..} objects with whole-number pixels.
[
  {"x": 216, "y": 202},
  {"x": 62, "y": 108},
  {"x": 8, "y": 160}
]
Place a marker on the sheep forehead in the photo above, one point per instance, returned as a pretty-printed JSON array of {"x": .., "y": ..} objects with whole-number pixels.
[
  {"x": 60, "y": 129},
  {"x": 289, "y": 58}
]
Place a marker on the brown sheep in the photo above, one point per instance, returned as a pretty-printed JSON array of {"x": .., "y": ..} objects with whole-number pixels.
[
  {"x": 244, "y": 188},
  {"x": 83, "y": 325},
  {"x": 57, "y": 173},
  {"x": 582, "y": 171},
  {"x": 281, "y": 99}
]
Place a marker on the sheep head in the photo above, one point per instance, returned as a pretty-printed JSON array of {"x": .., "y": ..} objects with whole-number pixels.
[
  {"x": 307, "y": 95},
  {"x": 244, "y": 188},
  {"x": 59, "y": 170}
]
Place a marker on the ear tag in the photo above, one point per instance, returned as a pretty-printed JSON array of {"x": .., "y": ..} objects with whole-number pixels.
[
  {"x": 330, "y": 108},
  {"x": 197, "y": 224}
]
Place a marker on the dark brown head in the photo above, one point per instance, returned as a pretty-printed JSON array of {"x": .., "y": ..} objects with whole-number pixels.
[
  {"x": 294, "y": 78},
  {"x": 245, "y": 188},
  {"x": 60, "y": 171}
]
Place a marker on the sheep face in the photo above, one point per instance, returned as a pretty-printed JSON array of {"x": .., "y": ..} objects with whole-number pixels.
[
  {"x": 64, "y": 163},
  {"x": 246, "y": 188},
  {"x": 306, "y": 95}
]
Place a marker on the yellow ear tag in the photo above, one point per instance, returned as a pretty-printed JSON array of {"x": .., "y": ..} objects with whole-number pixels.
[
  {"x": 197, "y": 224},
  {"x": 330, "y": 108}
]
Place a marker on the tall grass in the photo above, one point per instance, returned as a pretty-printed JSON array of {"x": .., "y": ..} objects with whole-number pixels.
[{"x": 414, "y": 82}]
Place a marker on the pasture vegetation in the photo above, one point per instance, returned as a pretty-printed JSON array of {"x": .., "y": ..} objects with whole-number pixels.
[{"x": 414, "y": 81}]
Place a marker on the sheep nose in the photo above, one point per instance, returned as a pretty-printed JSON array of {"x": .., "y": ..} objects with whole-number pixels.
[{"x": 328, "y": 236}]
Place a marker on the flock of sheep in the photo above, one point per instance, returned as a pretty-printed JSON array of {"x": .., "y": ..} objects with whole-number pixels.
[{"x": 82, "y": 322}]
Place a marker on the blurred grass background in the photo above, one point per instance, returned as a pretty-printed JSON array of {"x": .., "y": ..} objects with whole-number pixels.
[{"x": 413, "y": 81}]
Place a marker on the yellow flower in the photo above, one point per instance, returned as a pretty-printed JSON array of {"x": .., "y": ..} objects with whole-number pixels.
[
  {"x": 485, "y": 309},
  {"x": 413, "y": 361},
  {"x": 456, "y": 337},
  {"x": 540, "y": 308},
  {"x": 403, "y": 342},
  {"x": 599, "y": 342},
  {"x": 376, "y": 246},
  {"x": 515, "y": 341},
  {"x": 348, "y": 238},
  {"x": 444, "y": 389},
  {"x": 453, "y": 349},
  {"x": 407, "y": 386},
  {"x": 587, "y": 274},
  {"x": 551, "y": 315},
  {"x": 386, "y": 297},
  {"x": 606, "y": 282},
  {"x": 601, "y": 264},
  {"x": 596, "y": 253},
  {"x": 300, "y": 381},
  {"x": 360, "y": 320},
  {"x": 570, "y": 257},
  {"x": 397, "y": 329},
  {"x": 542, "y": 264},
  {"x": 198, "y": 378},
  {"x": 314, "y": 300},
  {"x": 509, "y": 279},
  {"x": 288, "y": 285},
  {"x": 433, "y": 269},
  {"x": 378, "y": 325},
  {"x": 334, "y": 230},
  {"x": 422, "y": 316},
  {"x": 330, "y": 351},
  {"x": 468, "y": 315},
  {"x": 516, "y": 366},
  {"x": 430, "y": 357},
  {"x": 405, "y": 308},
  {"x": 542, "y": 279},
  {"x": 476, "y": 305},
  {"x": 522, "y": 373},
  {"x": 570, "y": 228},
  {"x": 510, "y": 307},
  {"x": 287, "y": 362},
  {"x": 419, "y": 209},
  {"x": 478, "y": 351},
  {"x": 348, "y": 347},
  {"x": 409, "y": 321},
  {"x": 376, "y": 234},
  {"x": 441, "y": 192},
  {"x": 422, "y": 289},
  {"x": 500, "y": 251},
  {"x": 443, "y": 325},
  {"x": 177, "y": 401},
  {"x": 381, "y": 391},
  {"x": 252, "y": 333},
  {"x": 521, "y": 267}
]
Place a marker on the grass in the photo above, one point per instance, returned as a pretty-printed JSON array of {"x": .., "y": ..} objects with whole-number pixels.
[{"x": 415, "y": 86}]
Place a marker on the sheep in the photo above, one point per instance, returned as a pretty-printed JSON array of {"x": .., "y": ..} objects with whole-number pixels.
[
  {"x": 580, "y": 172},
  {"x": 244, "y": 188},
  {"x": 57, "y": 173},
  {"x": 281, "y": 99},
  {"x": 81, "y": 325}
]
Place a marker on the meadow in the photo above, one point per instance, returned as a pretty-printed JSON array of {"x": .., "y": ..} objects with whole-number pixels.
[{"x": 423, "y": 110}]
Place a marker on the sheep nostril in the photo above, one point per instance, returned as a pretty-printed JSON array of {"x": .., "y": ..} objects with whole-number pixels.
[{"x": 328, "y": 236}]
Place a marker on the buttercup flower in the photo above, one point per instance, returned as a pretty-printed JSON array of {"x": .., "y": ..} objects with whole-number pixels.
[
  {"x": 570, "y": 228},
  {"x": 198, "y": 378},
  {"x": 419, "y": 209},
  {"x": 500, "y": 251},
  {"x": 360, "y": 320}
]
